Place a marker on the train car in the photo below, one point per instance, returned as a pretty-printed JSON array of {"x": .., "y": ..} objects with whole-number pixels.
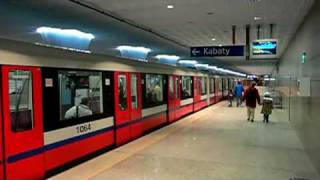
[
  {"x": 59, "y": 107},
  {"x": 180, "y": 97}
]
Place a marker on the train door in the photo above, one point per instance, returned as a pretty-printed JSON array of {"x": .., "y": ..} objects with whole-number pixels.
[
  {"x": 136, "y": 105},
  {"x": 177, "y": 96},
  {"x": 122, "y": 107},
  {"x": 174, "y": 98},
  {"x": 22, "y": 122},
  {"x": 212, "y": 90},
  {"x": 197, "y": 92}
]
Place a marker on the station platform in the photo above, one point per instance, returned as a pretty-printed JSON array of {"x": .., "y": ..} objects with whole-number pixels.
[{"x": 217, "y": 143}]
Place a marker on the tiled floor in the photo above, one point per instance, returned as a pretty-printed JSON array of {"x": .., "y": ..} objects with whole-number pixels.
[{"x": 214, "y": 144}]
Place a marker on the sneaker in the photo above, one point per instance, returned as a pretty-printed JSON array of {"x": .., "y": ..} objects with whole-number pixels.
[{"x": 252, "y": 120}]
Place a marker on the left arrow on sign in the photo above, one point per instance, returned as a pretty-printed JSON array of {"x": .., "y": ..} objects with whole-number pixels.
[{"x": 195, "y": 51}]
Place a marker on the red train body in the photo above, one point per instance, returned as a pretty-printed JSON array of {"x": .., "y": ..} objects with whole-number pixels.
[{"x": 52, "y": 117}]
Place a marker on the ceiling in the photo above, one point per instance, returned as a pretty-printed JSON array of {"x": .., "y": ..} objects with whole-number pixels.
[
  {"x": 196, "y": 22},
  {"x": 151, "y": 24}
]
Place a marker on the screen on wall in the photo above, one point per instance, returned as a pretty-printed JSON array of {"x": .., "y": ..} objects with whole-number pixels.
[{"x": 266, "y": 48}]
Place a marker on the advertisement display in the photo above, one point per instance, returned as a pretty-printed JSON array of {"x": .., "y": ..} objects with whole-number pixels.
[{"x": 264, "y": 49}]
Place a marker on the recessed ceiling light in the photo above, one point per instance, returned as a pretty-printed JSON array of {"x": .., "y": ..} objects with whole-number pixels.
[
  {"x": 256, "y": 18},
  {"x": 220, "y": 45},
  {"x": 170, "y": 6},
  {"x": 213, "y": 39}
]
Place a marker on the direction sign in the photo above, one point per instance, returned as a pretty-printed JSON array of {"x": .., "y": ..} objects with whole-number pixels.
[{"x": 213, "y": 51}]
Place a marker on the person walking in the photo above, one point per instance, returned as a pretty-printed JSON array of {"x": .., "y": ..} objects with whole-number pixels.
[
  {"x": 238, "y": 90},
  {"x": 267, "y": 106},
  {"x": 251, "y": 96}
]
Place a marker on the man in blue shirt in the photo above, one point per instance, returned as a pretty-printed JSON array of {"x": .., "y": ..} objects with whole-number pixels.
[{"x": 239, "y": 93}]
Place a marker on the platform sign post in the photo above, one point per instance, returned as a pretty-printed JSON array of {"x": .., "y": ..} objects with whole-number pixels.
[{"x": 217, "y": 51}]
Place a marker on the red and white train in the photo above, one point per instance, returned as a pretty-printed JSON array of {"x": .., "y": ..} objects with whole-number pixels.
[{"x": 60, "y": 107}]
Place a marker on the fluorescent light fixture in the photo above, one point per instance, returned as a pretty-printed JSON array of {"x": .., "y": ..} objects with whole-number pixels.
[
  {"x": 167, "y": 57},
  {"x": 213, "y": 68},
  {"x": 68, "y": 32},
  {"x": 201, "y": 66},
  {"x": 225, "y": 71},
  {"x": 133, "y": 48},
  {"x": 170, "y": 6},
  {"x": 134, "y": 52},
  {"x": 257, "y": 18},
  {"x": 192, "y": 62}
]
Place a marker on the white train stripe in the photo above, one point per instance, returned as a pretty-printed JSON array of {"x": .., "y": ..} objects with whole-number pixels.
[
  {"x": 204, "y": 97},
  {"x": 154, "y": 110},
  {"x": 77, "y": 130},
  {"x": 186, "y": 102}
]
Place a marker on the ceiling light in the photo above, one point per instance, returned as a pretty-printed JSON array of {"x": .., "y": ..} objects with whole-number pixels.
[
  {"x": 134, "y": 52},
  {"x": 257, "y": 18},
  {"x": 66, "y": 32},
  {"x": 213, "y": 39},
  {"x": 192, "y": 62},
  {"x": 167, "y": 57},
  {"x": 220, "y": 45},
  {"x": 133, "y": 48},
  {"x": 170, "y": 6},
  {"x": 213, "y": 68},
  {"x": 202, "y": 66}
]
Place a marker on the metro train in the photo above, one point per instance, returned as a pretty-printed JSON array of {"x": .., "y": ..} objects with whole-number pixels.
[{"x": 60, "y": 107}]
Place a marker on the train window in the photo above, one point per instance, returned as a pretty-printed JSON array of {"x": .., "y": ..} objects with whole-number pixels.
[
  {"x": 186, "y": 91},
  {"x": 171, "y": 87},
  {"x": 154, "y": 90},
  {"x": 122, "y": 89},
  {"x": 177, "y": 88},
  {"x": 212, "y": 85},
  {"x": 21, "y": 102},
  {"x": 134, "y": 91},
  {"x": 204, "y": 86},
  {"x": 80, "y": 94}
]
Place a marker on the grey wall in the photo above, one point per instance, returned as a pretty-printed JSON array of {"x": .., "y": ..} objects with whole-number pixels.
[{"x": 304, "y": 110}]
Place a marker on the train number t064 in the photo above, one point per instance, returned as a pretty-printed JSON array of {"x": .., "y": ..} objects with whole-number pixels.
[{"x": 83, "y": 128}]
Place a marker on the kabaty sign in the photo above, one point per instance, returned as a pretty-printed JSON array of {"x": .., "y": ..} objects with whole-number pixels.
[{"x": 213, "y": 51}]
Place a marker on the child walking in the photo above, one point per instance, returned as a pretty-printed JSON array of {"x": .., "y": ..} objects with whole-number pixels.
[{"x": 267, "y": 106}]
